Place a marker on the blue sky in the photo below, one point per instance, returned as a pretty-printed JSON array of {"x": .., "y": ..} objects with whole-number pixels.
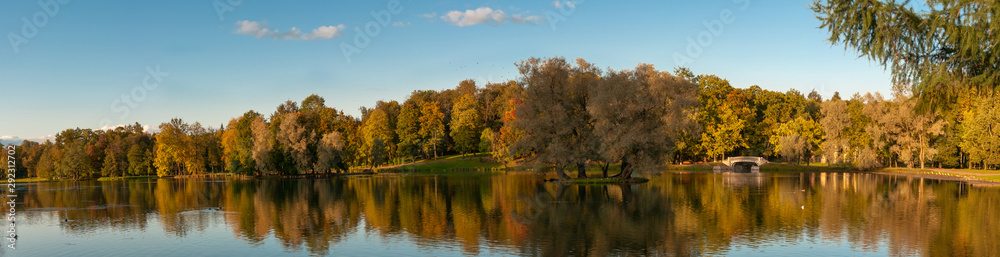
[{"x": 74, "y": 70}]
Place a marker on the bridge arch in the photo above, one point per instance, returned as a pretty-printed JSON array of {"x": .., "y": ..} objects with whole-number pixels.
[{"x": 744, "y": 164}]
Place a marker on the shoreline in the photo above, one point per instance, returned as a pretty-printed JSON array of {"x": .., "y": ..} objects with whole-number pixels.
[{"x": 989, "y": 178}]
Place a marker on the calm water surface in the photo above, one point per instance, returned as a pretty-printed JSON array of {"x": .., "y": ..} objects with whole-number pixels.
[{"x": 824, "y": 214}]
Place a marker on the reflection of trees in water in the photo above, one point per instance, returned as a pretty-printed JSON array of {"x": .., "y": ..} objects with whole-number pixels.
[{"x": 670, "y": 215}]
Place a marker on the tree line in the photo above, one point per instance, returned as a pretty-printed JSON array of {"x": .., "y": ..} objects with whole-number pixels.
[{"x": 559, "y": 114}]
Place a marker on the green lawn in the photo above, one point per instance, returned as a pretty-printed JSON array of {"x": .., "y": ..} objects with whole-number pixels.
[
  {"x": 992, "y": 178},
  {"x": 691, "y": 167},
  {"x": 124, "y": 178},
  {"x": 455, "y": 162},
  {"x": 978, "y": 171},
  {"x": 782, "y": 167},
  {"x": 21, "y": 180}
]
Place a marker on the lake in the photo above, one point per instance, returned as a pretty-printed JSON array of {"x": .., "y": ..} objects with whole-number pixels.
[{"x": 512, "y": 214}]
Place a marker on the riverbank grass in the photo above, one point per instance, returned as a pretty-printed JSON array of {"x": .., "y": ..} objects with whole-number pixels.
[{"x": 962, "y": 174}]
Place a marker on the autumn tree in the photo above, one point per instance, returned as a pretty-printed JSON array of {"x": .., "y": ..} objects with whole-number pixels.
[
  {"x": 639, "y": 114},
  {"x": 835, "y": 122},
  {"x": 237, "y": 144},
  {"x": 263, "y": 146},
  {"x": 922, "y": 129},
  {"x": 494, "y": 100},
  {"x": 466, "y": 125},
  {"x": 792, "y": 147},
  {"x": 432, "y": 127},
  {"x": 297, "y": 138},
  {"x": 720, "y": 116},
  {"x": 379, "y": 123},
  {"x": 178, "y": 150},
  {"x": 553, "y": 114},
  {"x": 503, "y": 144},
  {"x": 329, "y": 154},
  {"x": 408, "y": 129}
]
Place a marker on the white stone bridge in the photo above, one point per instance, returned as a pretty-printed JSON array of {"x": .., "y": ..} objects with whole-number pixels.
[{"x": 741, "y": 164}]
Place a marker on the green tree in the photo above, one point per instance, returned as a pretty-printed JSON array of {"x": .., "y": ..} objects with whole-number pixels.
[
  {"x": 73, "y": 160},
  {"x": 808, "y": 131},
  {"x": 720, "y": 116},
  {"x": 138, "y": 161},
  {"x": 939, "y": 49},
  {"x": 982, "y": 132}
]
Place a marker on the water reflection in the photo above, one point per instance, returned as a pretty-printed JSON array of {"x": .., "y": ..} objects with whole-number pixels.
[{"x": 517, "y": 214}]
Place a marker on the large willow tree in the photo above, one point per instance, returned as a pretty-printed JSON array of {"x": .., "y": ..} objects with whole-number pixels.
[{"x": 938, "y": 49}]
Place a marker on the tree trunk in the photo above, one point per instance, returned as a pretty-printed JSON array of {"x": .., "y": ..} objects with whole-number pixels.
[
  {"x": 921, "y": 157},
  {"x": 625, "y": 167},
  {"x": 559, "y": 172},
  {"x": 581, "y": 170},
  {"x": 604, "y": 169},
  {"x": 627, "y": 172}
]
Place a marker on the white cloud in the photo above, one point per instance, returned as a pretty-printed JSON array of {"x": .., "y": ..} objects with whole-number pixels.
[
  {"x": 429, "y": 15},
  {"x": 486, "y": 15},
  {"x": 517, "y": 18},
  {"x": 17, "y": 140},
  {"x": 483, "y": 15},
  {"x": 401, "y": 24},
  {"x": 559, "y": 5},
  {"x": 325, "y": 32},
  {"x": 260, "y": 30},
  {"x": 145, "y": 128}
]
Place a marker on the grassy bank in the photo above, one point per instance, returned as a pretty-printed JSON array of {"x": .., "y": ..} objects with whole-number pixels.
[
  {"x": 768, "y": 168},
  {"x": 124, "y": 178},
  {"x": 24, "y": 180},
  {"x": 956, "y": 174},
  {"x": 791, "y": 168},
  {"x": 701, "y": 167}
]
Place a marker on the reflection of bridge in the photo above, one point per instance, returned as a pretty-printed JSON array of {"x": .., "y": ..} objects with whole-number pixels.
[{"x": 741, "y": 164}]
